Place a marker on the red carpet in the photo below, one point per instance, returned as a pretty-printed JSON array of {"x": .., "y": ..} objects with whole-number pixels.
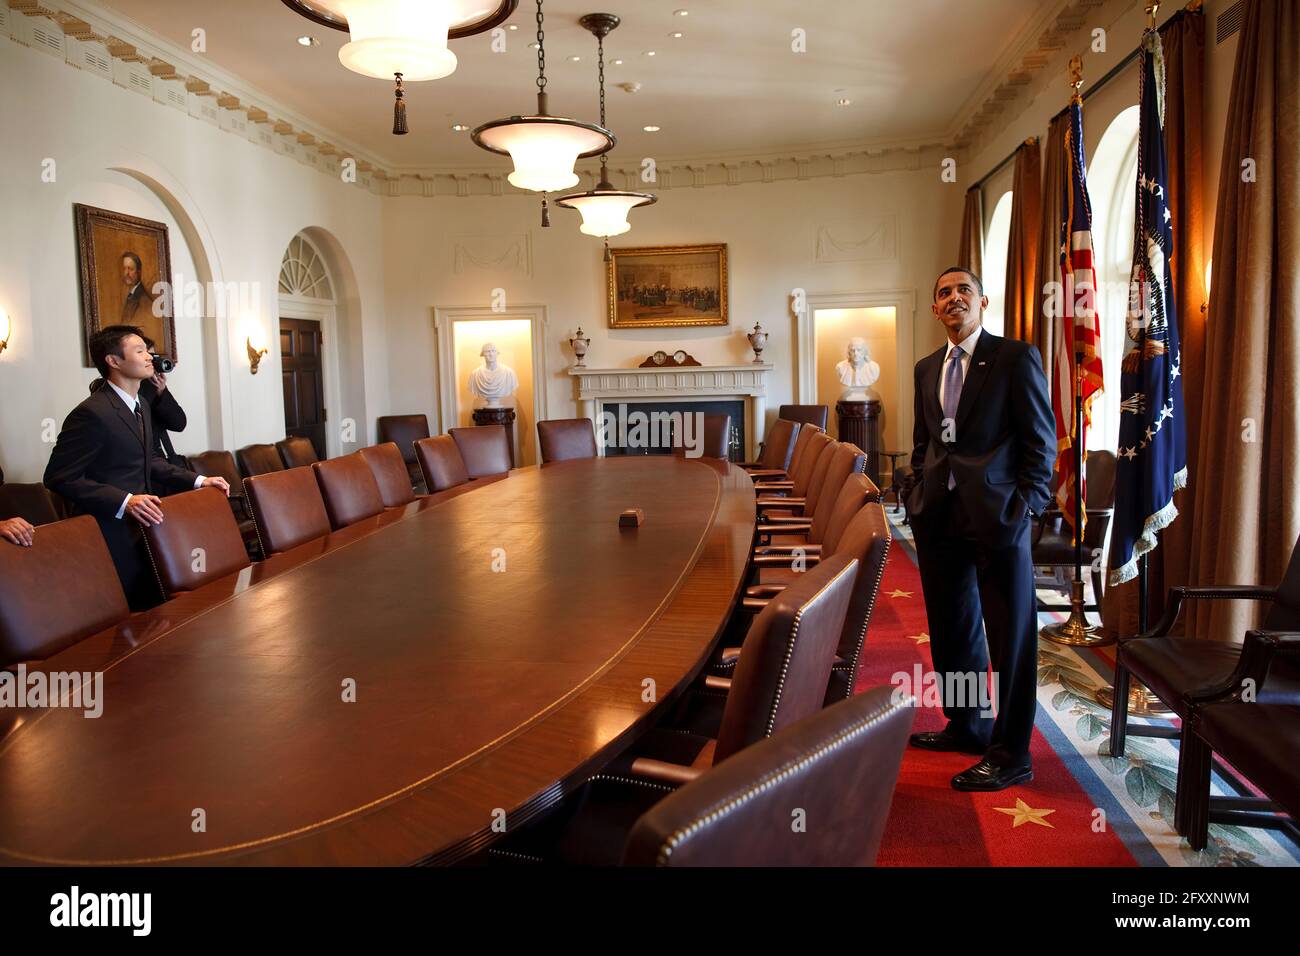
[{"x": 1051, "y": 820}]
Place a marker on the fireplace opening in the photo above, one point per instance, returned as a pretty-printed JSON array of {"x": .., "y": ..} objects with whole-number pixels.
[{"x": 646, "y": 428}]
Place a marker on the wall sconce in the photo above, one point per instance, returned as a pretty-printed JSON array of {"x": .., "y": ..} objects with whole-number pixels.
[
  {"x": 5, "y": 328},
  {"x": 254, "y": 355},
  {"x": 1209, "y": 269}
]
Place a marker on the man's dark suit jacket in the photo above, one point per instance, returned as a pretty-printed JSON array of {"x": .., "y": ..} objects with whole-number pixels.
[
  {"x": 1003, "y": 444},
  {"x": 100, "y": 458}
]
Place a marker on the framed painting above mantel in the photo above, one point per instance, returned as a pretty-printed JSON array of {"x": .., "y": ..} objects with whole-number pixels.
[
  {"x": 667, "y": 286},
  {"x": 122, "y": 259}
]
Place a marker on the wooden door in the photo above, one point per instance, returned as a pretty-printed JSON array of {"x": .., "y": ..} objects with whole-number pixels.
[{"x": 304, "y": 383}]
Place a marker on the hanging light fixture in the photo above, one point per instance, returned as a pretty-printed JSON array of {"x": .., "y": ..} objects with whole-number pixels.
[
  {"x": 604, "y": 209},
  {"x": 403, "y": 39},
  {"x": 543, "y": 147}
]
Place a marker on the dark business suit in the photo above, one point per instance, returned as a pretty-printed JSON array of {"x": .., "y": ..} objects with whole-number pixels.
[
  {"x": 973, "y": 541},
  {"x": 101, "y": 457}
]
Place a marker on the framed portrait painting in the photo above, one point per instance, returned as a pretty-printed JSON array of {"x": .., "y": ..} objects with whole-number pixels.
[
  {"x": 665, "y": 286},
  {"x": 123, "y": 261}
]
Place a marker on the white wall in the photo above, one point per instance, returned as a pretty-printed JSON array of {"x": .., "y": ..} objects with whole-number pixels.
[{"x": 231, "y": 208}]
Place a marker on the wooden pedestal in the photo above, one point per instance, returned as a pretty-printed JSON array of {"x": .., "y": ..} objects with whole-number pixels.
[
  {"x": 499, "y": 416},
  {"x": 859, "y": 423}
]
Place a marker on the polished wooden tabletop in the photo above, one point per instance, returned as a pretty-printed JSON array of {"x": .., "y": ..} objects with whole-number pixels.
[{"x": 500, "y": 644}]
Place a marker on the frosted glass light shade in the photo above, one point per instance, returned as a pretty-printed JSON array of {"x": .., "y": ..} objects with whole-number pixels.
[
  {"x": 544, "y": 150},
  {"x": 604, "y": 216},
  {"x": 398, "y": 36}
]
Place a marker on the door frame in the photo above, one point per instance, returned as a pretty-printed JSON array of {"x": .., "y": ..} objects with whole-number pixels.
[{"x": 316, "y": 310}]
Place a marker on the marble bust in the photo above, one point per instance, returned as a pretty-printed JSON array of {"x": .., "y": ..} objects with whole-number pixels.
[
  {"x": 858, "y": 373},
  {"x": 492, "y": 381}
]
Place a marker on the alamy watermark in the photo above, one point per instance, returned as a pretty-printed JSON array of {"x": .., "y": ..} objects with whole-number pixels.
[
  {"x": 74, "y": 690},
  {"x": 638, "y": 430},
  {"x": 954, "y": 689}
]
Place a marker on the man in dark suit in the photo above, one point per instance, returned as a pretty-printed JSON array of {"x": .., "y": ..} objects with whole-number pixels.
[
  {"x": 104, "y": 462},
  {"x": 167, "y": 412},
  {"x": 983, "y": 446},
  {"x": 137, "y": 296}
]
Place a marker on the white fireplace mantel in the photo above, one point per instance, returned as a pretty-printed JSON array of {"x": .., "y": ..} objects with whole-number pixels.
[{"x": 600, "y": 386}]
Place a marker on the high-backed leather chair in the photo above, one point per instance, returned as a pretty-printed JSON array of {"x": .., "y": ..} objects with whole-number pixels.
[
  {"x": 32, "y": 502},
  {"x": 816, "y": 537},
  {"x": 845, "y": 459},
  {"x": 404, "y": 431},
  {"x": 564, "y": 439},
  {"x": 350, "y": 491},
  {"x": 801, "y": 444},
  {"x": 839, "y": 765},
  {"x": 260, "y": 459},
  {"x": 1187, "y": 673},
  {"x": 297, "y": 451},
  {"x": 713, "y": 440},
  {"x": 222, "y": 463},
  {"x": 782, "y": 498},
  {"x": 777, "y": 450},
  {"x": 485, "y": 449},
  {"x": 817, "y": 415},
  {"x": 1054, "y": 541},
  {"x": 390, "y": 474},
  {"x": 440, "y": 462},
  {"x": 1260, "y": 741},
  {"x": 56, "y": 592},
  {"x": 288, "y": 508},
  {"x": 198, "y": 542},
  {"x": 802, "y": 472}
]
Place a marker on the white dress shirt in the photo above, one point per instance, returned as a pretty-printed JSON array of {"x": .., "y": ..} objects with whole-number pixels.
[
  {"x": 132, "y": 402},
  {"x": 967, "y": 346}
]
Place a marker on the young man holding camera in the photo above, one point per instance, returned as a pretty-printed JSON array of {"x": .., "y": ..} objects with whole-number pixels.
[{"x": 104, "y": 461}]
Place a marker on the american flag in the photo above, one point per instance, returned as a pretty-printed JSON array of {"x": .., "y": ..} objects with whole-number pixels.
[
  {"x": 1152, "y": 456},
  {"x": 1078, "y": 327}
]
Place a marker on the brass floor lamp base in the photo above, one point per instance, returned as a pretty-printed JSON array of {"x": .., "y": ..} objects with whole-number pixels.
[
  {"x": 1075, "y": 631},
  {"x": 1141, "y": 702}
]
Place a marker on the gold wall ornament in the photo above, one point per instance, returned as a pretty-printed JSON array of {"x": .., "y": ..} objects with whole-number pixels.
[{"x": 254, "y": 355}]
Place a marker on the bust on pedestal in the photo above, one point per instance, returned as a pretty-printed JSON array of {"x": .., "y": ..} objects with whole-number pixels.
[
  {"x": 492, "y": 382},
  {"x": 858, "y": 409}
]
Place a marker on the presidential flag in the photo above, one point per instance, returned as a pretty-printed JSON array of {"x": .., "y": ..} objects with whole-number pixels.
[
  {"x": 1152, "y": 456},
  {"x": 1078, "y": 328}
]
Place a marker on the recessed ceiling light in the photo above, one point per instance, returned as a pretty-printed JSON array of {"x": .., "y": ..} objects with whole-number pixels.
[
  {"x": 574, "y": 59},
  {"x": 681, "y": 13},
  {"x": 651, "y": 129},
  {"x": 308, "y": 41},
  {"x": 513, "y": 26},
  {"x": 532, "y": 46},
  {"x": 649, "y": 52},
  {"x": 676, "y": 36},
  {"x": 459, "y": 127},
  {"x": 843, "y": 102},
  {"x": 618, "y": 62}
]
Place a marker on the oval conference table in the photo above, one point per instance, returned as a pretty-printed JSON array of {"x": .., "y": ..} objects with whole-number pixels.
[{"x": 501, "y": 645}]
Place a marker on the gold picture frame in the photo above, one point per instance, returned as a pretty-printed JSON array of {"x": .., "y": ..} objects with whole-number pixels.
[{"x": 651, "y": 287}]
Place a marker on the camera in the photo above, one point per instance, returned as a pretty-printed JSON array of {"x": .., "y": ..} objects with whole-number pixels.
[{"x": 161, "y": 363}]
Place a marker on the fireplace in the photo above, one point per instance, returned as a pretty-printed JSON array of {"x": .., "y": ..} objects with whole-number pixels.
[{"x": 646, "y": 428}]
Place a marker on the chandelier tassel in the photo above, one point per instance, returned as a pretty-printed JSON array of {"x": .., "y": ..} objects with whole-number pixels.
[{"x": 399, "y": 109}]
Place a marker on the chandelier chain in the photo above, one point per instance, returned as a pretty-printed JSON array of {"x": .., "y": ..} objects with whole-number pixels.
[
  {"x": 600, "y": 59},
  {"x": 541, "y": 51}
]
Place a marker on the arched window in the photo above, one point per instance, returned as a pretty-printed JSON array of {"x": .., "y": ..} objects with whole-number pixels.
[
  {"x": 1112, "y": 177},
  {"x": 302, "y": 271},
  {"x": 995, "y": 264}
]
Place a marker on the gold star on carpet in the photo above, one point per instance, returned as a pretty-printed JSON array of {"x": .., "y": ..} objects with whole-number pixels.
[
  {"x": 1024, "y": 813},
  {"x": 922, "y": 638},
  {"x": 896, "y": 593}
]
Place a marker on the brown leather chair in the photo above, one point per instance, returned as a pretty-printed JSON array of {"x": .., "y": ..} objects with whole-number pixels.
[
  {"x": 350, "y": 491},
  {"x": 198, "y": 542},
  {"x": 389, "y": 470},
  {"x": 803, "y": 474},
  {"x": 801, "y": 446},
  {"x": 712, "y": 441},
  {"x": 1054, "y": 541},
  {"x": 1187, "y": 673},
  {"x": 222, "y": 464},
  {"x": 56, "y": 592},
  {"x": 783, "y": 498},
  {"x": 839, "y": 766},
  {"x": 563, "y": 439},
  {"x": 817, "y": 415},
  {"x": 258, "y": 460},
  {"x": 778, "y": 448},
  {"x": 32, "y": 502},
  {"x": 1260, "y": 741},
  {"x": 485, "y": 449},
  {"x": 404, "y": 431},
  {"x": 297, "y": 452},
  {"x": 441, "y": 463},
  {"x": 846, "y": 459},
  {"x": 288, "y": 509},
  {"x": 822, "y": 534}
]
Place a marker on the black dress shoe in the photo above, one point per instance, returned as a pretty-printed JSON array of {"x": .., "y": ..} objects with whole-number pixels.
[
  {"x": 944, "y": 741},
  {"x": 987, "y": 776}
]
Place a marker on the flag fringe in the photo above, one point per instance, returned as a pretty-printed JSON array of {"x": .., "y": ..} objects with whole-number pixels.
[{"x": 1147, "y": 540}]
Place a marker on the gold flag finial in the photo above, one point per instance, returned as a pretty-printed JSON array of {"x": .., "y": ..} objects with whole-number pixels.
[
  {"x": 1076, "y": 73},
  {"x": 1151, "y": 14}
]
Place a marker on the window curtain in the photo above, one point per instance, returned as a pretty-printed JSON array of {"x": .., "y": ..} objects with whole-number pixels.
[
  {"x": 1022, "y": 289},
  {"x": 970, "y": 253},
  {"x": 1248, "y": 462},
  {"x": 1048, "y": 262},
  {"x": 1183, "y": 39}
]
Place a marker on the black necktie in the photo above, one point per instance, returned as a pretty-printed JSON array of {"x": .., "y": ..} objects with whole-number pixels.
[{"x": 139, "y": 420}]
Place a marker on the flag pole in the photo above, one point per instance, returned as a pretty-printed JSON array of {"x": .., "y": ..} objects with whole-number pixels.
[{"x": 1075, "y": 630}]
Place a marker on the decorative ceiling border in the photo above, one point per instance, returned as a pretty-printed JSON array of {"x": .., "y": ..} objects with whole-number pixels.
[{"x": 103, "y": 43}]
